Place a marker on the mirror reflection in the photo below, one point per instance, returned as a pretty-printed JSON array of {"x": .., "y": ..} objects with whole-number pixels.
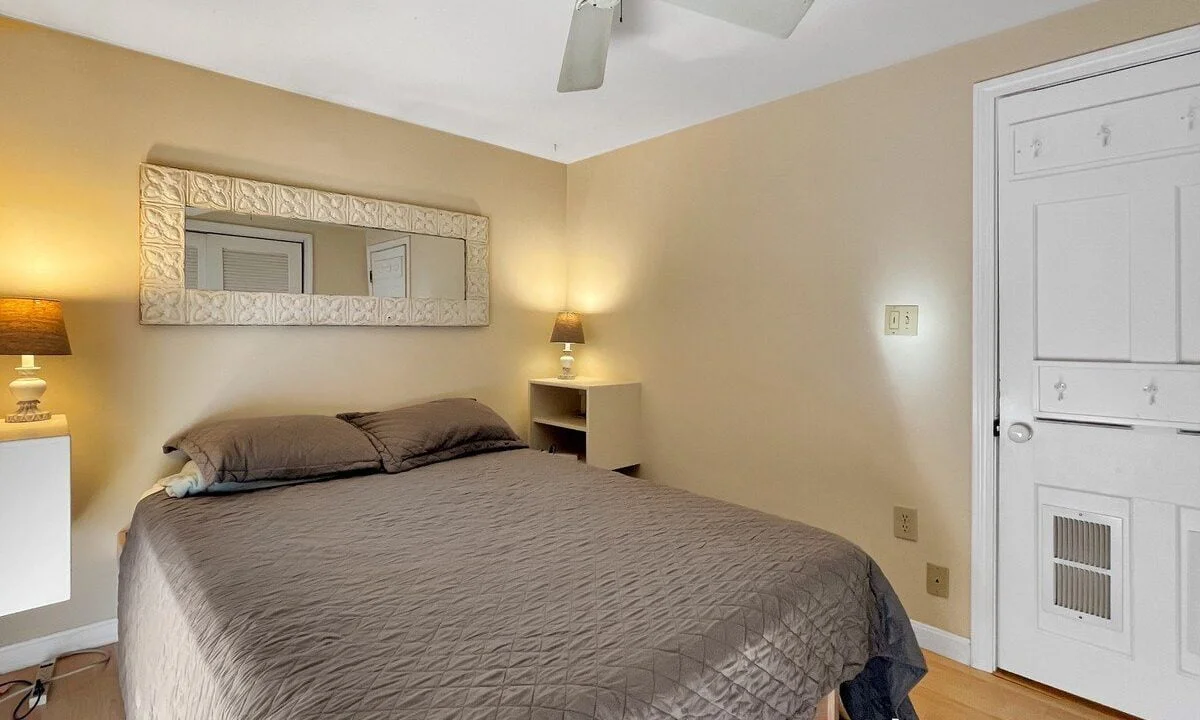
[{"x": 251, "y": 253}]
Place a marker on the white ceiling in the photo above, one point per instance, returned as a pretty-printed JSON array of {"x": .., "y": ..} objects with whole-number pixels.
[{"x": 488, "y": 70}]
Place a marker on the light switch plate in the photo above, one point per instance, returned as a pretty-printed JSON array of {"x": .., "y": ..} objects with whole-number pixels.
[{"x": 900, "y": 320}]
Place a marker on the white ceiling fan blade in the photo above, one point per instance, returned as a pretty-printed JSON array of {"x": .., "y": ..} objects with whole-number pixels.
[
  {"x": 587, "y": 49},
  {"x": 774, "y": 17}
]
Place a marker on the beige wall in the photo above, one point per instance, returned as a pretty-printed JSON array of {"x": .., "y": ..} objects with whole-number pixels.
[
  {"x": 77, "y": 119},
  {"x": 340, "y": 261},
  {"x": 740, "y": 268},
  {"x": 436, "y": 265}
]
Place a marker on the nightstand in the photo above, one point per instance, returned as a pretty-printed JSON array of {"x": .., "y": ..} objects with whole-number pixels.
[
  {"x": 597, "y": 420},
  {"x": 35, "y": 513}
]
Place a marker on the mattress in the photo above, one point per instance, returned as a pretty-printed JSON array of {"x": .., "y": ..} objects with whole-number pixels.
[{"x": 509, "y": 586}]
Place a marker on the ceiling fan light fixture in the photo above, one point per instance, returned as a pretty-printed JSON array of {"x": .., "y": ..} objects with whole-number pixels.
[
  {"x": 773, "y": 17},
  {"x": 586, "y": 54}
]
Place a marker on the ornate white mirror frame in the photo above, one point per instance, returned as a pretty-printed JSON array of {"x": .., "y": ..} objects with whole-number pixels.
[{"x": 166, "y": 192}]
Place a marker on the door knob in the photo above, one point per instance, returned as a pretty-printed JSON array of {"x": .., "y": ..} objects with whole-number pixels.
[{"x": 1019, "y": 432}]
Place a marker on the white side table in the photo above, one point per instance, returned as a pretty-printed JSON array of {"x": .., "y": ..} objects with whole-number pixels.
[
  {"x": 598, "y": 420},
  {"x": 35, "y": 513}
]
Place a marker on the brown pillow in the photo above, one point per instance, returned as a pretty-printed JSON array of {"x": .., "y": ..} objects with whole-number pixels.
[
  {"x": 410, "y": 437},
  {"x": 276, "y": 448}
]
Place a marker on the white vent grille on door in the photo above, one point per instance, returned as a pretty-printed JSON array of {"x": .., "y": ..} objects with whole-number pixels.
[
  {"x": 1083, "y": 591},
  {"x": 1087, "y": 543},
  {"x": 191, "y": 267},
  {"x": 1083, "y": 570},
  {"x": 1078, "y": 542},
  {"x": 254, "y": 271}
]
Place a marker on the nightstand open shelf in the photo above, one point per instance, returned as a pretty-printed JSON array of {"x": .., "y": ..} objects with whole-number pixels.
[
  {"x": 597, "y": 420},
  {"x": 566, "y": 422}
]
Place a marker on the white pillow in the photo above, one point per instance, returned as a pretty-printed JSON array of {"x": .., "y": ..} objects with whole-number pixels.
[{"x": 188, "y": 481}]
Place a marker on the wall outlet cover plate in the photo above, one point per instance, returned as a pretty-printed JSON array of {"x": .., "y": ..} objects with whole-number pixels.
[
  {"x": 937, "y": 580},
  {"x": 904, "y": 523}
]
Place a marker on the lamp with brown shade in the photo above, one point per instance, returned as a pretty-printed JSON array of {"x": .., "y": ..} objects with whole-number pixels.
[
  {"x": 568, "y": 330},
  {"x": 29, "y": 327}
]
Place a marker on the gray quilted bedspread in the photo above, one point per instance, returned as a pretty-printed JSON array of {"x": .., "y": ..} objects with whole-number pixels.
[{"x": 508, "y": 586}]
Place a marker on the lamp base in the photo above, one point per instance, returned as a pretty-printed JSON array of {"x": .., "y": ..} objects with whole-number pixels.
[
  {"x": 567, "y": 362},
  {"x": 28, "y": 389},
  {"x": 27, "y": 411}
]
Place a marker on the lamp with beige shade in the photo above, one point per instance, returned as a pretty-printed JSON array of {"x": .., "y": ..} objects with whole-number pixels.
[
  {"x": 31, "y": 327},
  {"x": 568, "y": 330}
]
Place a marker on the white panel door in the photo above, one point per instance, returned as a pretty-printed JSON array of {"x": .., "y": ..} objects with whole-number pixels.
[
  {"x": 1189, "y": 270},
  {"x": 1099, "y": 516},
  {"x": 1081, "y": 260},
  {"x": 387, "y": 269}
]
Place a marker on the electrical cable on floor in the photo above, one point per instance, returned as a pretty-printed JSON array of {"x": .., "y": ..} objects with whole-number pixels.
[
  {"x": 7, "y": 693},
  {"x": 33, "y": 692},
  {"x": 23, "y": 709},
  {"x": 25, "y": 690},
  {"x": 104, "y": 658},
  {"x": 6, "y": 689}
]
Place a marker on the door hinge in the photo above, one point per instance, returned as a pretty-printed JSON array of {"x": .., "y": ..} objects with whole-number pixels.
[{"x": 996, "y": 427}]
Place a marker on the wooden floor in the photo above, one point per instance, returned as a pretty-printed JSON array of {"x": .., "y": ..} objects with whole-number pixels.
[
  {"x": 950, "y": 692},
  {"x": 90, "y": 695}
]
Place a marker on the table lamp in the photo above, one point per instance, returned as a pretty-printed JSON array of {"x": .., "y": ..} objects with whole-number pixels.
[
  {"x": 29, "y": 327},
  {"x": 568, "y": 330}
]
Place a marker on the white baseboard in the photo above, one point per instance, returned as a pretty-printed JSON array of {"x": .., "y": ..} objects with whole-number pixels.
[
  {"x": 936, "y": 640},
  {"x": 39, "y": 650}
]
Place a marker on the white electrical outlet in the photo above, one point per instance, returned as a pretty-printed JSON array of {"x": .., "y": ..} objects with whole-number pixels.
[
  {"x": 44, "y": 673},
  {"x": 900, "y": 320},
  {"x": 904, "y": 523}
]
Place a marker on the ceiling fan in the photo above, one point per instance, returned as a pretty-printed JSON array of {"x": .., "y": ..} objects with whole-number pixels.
[{"x": 591, "y": 31}]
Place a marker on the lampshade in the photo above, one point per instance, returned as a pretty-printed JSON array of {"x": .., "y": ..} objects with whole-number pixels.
[
  {"x": 568, "y": 328},
  {"x": 32, "y": 326}
]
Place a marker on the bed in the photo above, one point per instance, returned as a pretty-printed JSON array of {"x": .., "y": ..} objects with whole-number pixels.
[{"x": 512, "y": 585}]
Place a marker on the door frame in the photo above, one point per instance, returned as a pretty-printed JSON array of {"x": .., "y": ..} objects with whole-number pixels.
[{"x": 985, "y": 350}]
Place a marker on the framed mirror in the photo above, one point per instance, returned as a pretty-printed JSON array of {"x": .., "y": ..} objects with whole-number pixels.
[{"x": 218, "y": 250}]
